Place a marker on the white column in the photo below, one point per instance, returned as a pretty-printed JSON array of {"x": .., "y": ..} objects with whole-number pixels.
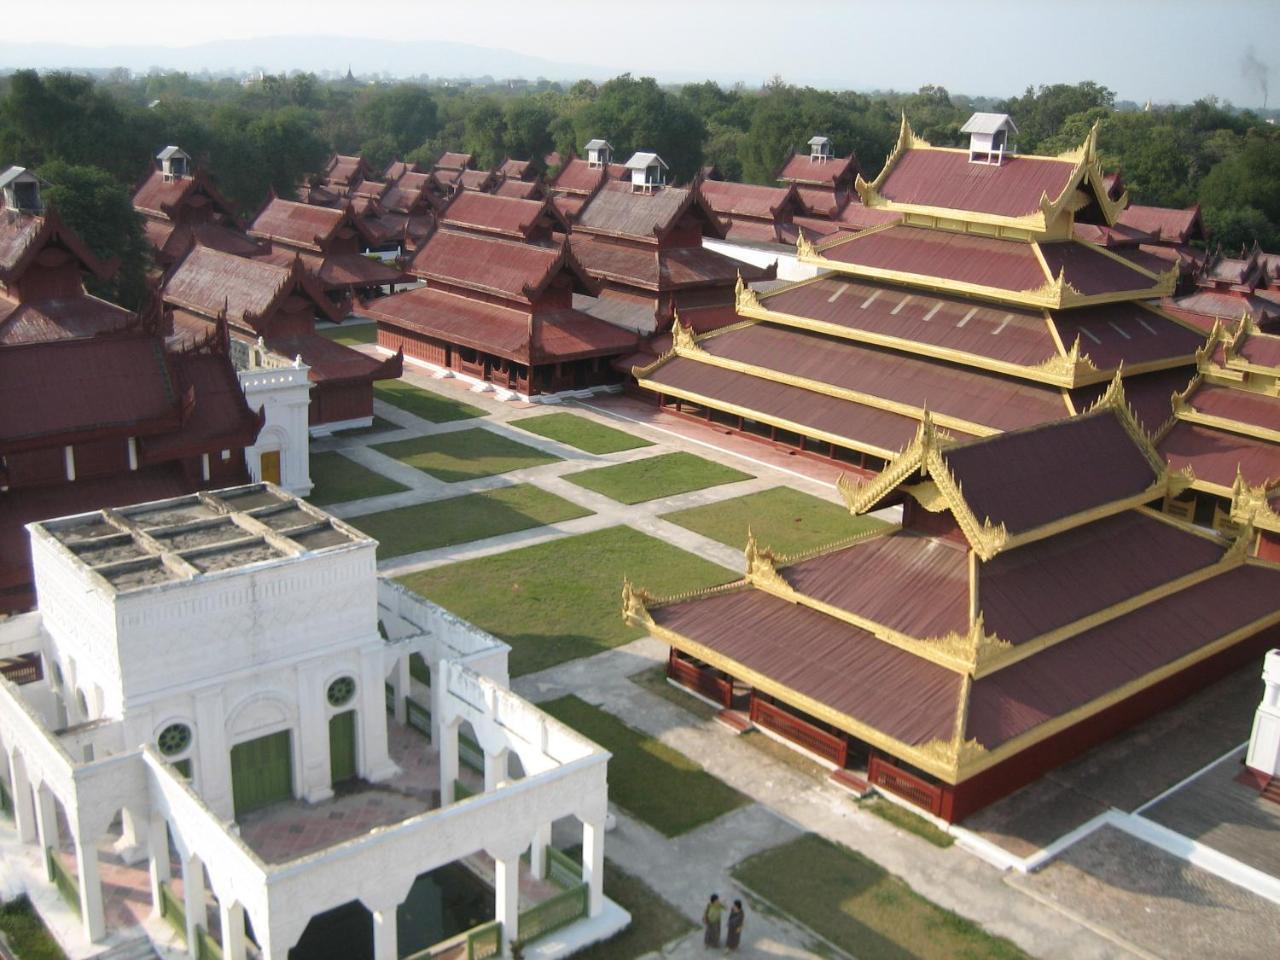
[
  {"x": 232, "y": 922},
  {"x": 506, "y": 890},
  {"x": 91, "y": 912},
  {"x": 593, "y": 865},
  {"x": 538, "y": 852},
  {"x": 371, "y": 727},
  {"x": 495, "y": 769},
  {"x": 438, "y": 668},
  {"x": 46, "y": 822},
  {"x": 158, "y": 848},
  {"x": 1264, "y": 742},
  {"x": 401, "y": 681},
  {"x": 312, "y": 737},
  {"x": 385, "y": 943},
  {"x": 448, "y": 746},
  {"x": 24, "y": 814},
  {"x": 193, "y": 901},
  {"x": 129, "y": 846},
  {"x": 211, "y": 762}
]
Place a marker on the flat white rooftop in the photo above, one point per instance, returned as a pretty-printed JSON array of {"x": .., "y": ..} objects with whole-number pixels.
[{"x": 167, "y": 541}]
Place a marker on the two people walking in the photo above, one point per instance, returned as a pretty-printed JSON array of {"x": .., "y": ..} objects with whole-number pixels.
[{"x": 711, "y": 918}]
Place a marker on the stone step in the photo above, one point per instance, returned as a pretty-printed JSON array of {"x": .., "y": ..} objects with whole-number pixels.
[
  {"x": 851, "y": 782},
  {"x": 1272, "y": 790},
  {"x": 140, "y": 949},
  {"x": 735, "y": 720}
]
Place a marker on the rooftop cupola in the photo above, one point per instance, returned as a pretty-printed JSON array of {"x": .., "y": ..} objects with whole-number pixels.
[
  {"x": 174, "y": 162},
  {"x": 599, "y": 153},
  {"x": 989, "y": 137},
  {"x": 21, "y": 190},
  {"x": 648, "y": 172},
  {"x": 819, "y": 149}
]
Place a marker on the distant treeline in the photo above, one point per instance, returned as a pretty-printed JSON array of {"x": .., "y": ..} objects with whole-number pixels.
[{"x": 274, "y": 131}]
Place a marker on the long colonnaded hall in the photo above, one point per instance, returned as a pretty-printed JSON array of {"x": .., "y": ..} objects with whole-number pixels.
[{"x": 1031, "y": 604}]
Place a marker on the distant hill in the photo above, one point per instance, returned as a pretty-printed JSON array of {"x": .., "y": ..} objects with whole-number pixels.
[{"x": 318, "y": 54}]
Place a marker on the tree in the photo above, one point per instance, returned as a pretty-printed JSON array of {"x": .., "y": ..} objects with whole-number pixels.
[
  {"x": 527, "y": 129},
  {"x": 97, "y": 207},
  {"x": 1040, "y": 113},
  {"x": 406, "y": 115},
  {"x": 638, "y": 115}
]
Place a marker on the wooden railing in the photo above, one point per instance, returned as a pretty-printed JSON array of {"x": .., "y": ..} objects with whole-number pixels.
[
  {"x": 484, "y": 941},
  {"x": 562, "y": 869},
  {"x": 63, "y": 880},
  {"x": 880, "y": 773},
  {"x": 552, "y": 914},
  {"x": 701, "y": 680},
  {"x": 23, "y": 669},
  {"x": 829, "y": 746}
]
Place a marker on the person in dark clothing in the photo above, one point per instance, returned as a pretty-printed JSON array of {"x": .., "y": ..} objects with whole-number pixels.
[
  {"x": 711, "y": 921},
  {"x": 736, "y": 919}
]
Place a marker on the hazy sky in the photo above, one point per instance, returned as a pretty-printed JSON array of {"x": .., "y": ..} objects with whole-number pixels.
[{"x": 1142, "y": 49}]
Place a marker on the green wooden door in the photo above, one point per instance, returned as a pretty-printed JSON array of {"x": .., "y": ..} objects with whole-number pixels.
[
  {"x": 342, "y": 746},
  {"x": 261, "y": 772}
]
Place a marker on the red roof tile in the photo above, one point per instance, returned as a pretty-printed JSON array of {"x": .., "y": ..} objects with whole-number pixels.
[
  {"x": 475, "y": 180},
  {"x": 618, "y": 211},
  {"x": 504, "y": 216},
  {"x": 746, "y": 200},
  {"x": 1215, "y": 455},
  {"x": 1115, "y": 333},
  {"x": 1169, "y": 225},
  {"x": 800, "y": 168},
  {"x": 1242, "y": 406},
  {"x": 23, "y": 237},
  {"x": 298, "y": 224},
  {"x": 817, "y": 202},
  {"x": 1091, "y": 271},
  {"x": 219, "y": 417},
  {"x": 207, "y": 279},
  {"x": 517, "y": 271},
  {"x": 520, "y": 189},
  {"x": 946, "y": 179},
  {"x": 62, "y": 318},
  {"x": 454, "y": 161},
  {"x": 579, "y": 177},
  {"x": 659, "y": 269}
]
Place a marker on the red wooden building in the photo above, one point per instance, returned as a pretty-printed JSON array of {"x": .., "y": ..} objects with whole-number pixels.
[
  {"x": 498, "y": 302},
  {"x": 181, "y": 206},
  {"x": 257, "y": 298},
  {"x": 1227, "y": 288},
  {"x": 1029, "y": 606},
  {"x": 578, "y": 179}
]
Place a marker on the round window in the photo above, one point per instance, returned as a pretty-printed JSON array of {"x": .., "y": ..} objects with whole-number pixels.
[
  {"x": 174, "y": 739},
  {"x": 341, "y": 691}
]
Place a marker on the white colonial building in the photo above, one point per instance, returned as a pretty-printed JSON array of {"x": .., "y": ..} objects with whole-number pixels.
[
  {"x": 281, "y": 389},
  {"x": 233, "y": 701}
]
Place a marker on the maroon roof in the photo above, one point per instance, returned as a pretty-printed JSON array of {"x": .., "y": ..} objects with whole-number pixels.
[
  {"x": 1261, "y": 349},
  {"x": 520, "y": 189},
  {"x": 554, "y": 335},
  {"x": 330, "y": 361},
  {"x": 505, "y": 216},
  {"x": 986, "y": 261},
  {"x": 1091, "y": 271},
  {"x": 215, "y": 413},
  {"x": 1072, "y": 673},
  {"x": 745, "y": 199},
  {"x": 659, "y": 269},
  {"x": 410, "y": 190},
  {"x": 747, "y": 230},
  {"x": 1242, "y": 406},
  {"x": 297, "y": 224},
  {"x": 517, "y": 271},
  {"x": 975, "y": 396},
  {"x": 454, "y": 161},
  {"x": 23, "y": 237},
  {"x": 1117, "y": 236},
  {"x": 825, "y": 659},
  {"x": 579, "y": 177},
  {"x": 352, "y": 270},
  {"x": 1009, "y": 334},
  {"x": 1128, "y": 333},
  {"x": 946, "y": 178},
  {"x": 569, "y": 206},
  {"x": 85, "y": 389},
  {"x": 618, "y": 211},
  {"x": 1169, "y": 225},
  {"x": 160, "y": 195},
  {"x": 1038, "y": 587},
  {"x": 475, "y": 179},
  {"x": 1028, "y": 478},
  {"x": 207, "y": 280},
  {"x": 344, "y": 169},
  {"x": 801, "y": 168},
  {"x": 861, "y": 426},
  {"x": 60, "y": 318},
  {"x": 1147, "y": 394},
  {"x": 818, "y": 202},
  {"x": 516, "y": 169},
  {"x": 1210, "y": 305},
  {"x": 871, "y": 578},
  {"x": 1215, "y": 455}
]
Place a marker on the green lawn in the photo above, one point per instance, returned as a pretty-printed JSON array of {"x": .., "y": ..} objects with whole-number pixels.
[
  {"x": 906, "y": 820},
  {"x": 26, "y": 933},
  {"x": 655, "y": 477},
  {"x": 648, "y": 779},
  {"x": 783, "y": 519},
  {"x": 465, "y": 455},
  {"x": 654, "y": 922},
  {"x": 856, "y": 903},
  {"x": 461, "y": 519},
  {"x": 338, "y": 479},
  {"x": 579, "y": 432},
  {"x": 378, "y": 426},
  {"x": 424, "y": 403},
  {"x": 655, "y": 681},
  {"x": 351, "y": 333},
  {"x": 562, "y": 600}
]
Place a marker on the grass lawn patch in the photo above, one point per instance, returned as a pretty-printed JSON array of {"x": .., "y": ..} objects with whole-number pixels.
[
  {"x": 465, "y": 455},
  {"x": 858, "y": 904},
  {"x": 648, "y": 779},
  {"x": 424, "y": 403},
  {"x": 461, "y": 519},
  {"x": 338, "y": 479},
  {"x": 26, "y": 932},
  {"x": 378, "y": 426},
  {"x": 911, "y": 822},
  {"x": 579, "y": 432},
  {"x": 785, "y": 755},
  {"x": 654, "y": 921},
  {"x": 655, "y": 681},
  {"x": 655, "y": 477},
  {"x": 562, "y": 600},
  {"x": 351, "y": 333},
  {"x": 782, "y": 519}
]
